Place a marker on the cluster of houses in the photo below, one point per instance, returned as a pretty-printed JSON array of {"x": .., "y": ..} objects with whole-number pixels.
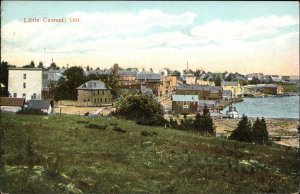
[{"x": 32, "y": 87}]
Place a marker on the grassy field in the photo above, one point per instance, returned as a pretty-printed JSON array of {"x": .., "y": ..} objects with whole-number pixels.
[{"x": 59, "y": 154}]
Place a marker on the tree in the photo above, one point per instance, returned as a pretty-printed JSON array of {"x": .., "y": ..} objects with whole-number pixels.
[
  {"x": 218, "y": 81},
  {"x": 31, "y": 65},
  {"x": 255, "y": 80},
  {"x": 204, "y": 123},
  {"x": 67, "y": 87},
  {"x": 4, "y": 66},
  {"x": 41, "y": 65},
  {"x": 142, "y": 108},
  {"x": 53, "y": 66},
  {"x": 260, "y": 132},
  {"x": 208, "y": 125},
  {"x": 205, "y": 111},
  {"x": 243, "y": 132},
  {"x": 197, "y": 121},
  {"x": 177, "y": 73}
]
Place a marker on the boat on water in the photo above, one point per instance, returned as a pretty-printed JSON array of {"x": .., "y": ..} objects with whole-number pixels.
[{"x": 232, "y": 112}]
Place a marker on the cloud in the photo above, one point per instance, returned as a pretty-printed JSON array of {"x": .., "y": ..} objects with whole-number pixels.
[
  {"x": 155, "y": 38},
  {"x": 220, "y": 31}
]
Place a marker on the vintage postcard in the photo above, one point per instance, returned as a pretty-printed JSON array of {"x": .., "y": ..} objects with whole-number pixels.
[{"x": 149, "y": 97}]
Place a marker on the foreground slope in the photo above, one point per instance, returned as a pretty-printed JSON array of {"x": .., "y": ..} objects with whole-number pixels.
[{"x": 60, "y": 154}]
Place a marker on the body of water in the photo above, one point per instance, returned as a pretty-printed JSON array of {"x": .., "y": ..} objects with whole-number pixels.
[{"x": 270, "y": 107}]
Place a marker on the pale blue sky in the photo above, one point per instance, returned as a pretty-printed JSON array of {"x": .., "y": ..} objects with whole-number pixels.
[{"x": 152, "y": 33}]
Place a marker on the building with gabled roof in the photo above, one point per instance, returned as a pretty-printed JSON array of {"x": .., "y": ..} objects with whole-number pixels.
[
  {"x": 93, "y": 93},
  {"x": 235, "y": 87},
  {"x": 11, "y": 104},
  {"x": 203, "y": 92},
  {"x": 43, "y": 105},
  {"x": 185, "y": 104},
  {"x": 150, "y": 80}
]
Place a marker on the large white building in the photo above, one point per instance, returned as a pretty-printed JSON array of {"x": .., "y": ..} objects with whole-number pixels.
[{"x": 25, "y": 83}]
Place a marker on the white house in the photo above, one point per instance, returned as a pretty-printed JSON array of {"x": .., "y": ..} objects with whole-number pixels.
[
  {"x": 25, "y": 83},
  {"x": 190, "y": 79}
]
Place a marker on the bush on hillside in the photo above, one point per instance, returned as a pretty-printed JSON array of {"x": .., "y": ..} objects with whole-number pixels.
[
  {"x": 142, "y": 108},
  {"x": 31, "y": 111},
  {"x": 202, "y": 123}
]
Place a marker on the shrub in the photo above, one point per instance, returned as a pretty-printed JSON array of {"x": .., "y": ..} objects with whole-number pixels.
[
  {"x": 142, "y": 108},
  {"x": 95, "y": 126},
  {"x": 173, "y": 123},
  {"x": 84, "y": 122},
  {"x": 146, "y": 133},
  {"x": 31, "y": 111},
  {"x": 154, "y": 121},
  {"x": 119, "y": 129},
  {"x": 53, "y": 164}
]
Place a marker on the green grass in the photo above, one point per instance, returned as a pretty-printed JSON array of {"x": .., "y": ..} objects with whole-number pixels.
[{"x": 68, "y": 157}]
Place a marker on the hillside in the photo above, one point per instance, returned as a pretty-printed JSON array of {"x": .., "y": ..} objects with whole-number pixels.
[{"x": 63, "y": 155}]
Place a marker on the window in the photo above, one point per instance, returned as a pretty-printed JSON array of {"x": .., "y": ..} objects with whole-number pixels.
[
  {"x": 105, "y": 99},
  {"x": 24, "y": 76},
  {"x": 95, "y": 100},
  {"x": 83, "y": 100},
  {"x": 101, "y": 100},
  {"x": 15, "y": 95},
  {"x": 24, "y": 85},
  {"x": 88, "y": 99},
  {"x": 98, "y": 92},
  {"x": 24, "y": 96},
  {"x": 103, "y": 92},
  {"x": 34, "y": 96}
]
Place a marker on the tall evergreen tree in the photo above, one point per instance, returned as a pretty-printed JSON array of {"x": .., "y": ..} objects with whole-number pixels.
[
  {"x": 218, "y": 81},
  {"x": 205, "y": 111},
  {"x": 243, "y": 132},
  {"x": 197, "y": 121},
  {"x": 260, "y": 132}
]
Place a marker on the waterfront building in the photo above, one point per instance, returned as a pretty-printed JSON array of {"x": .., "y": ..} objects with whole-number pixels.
[
  {"x": 235, "y": 87},
  {"x": 203, "y": 92},
  {"x": 185, "y": 104}
]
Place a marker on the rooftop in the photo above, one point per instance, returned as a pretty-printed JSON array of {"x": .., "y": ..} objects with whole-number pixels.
[
  {"x": 39, "y": 104},
  {"x": 127, "y": 73},
  {"x": 185, "y": 98},
  {"x": 228, "y": 83},
  {"x": 148, "y": 76},
  {"x": 92, "y": 85},
  {"x": 5, "y": 101},
  {"x": 27, "y": 69},
  {"x": 199, "y": 87}
]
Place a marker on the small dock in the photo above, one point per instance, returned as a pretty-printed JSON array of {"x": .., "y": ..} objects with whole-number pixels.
[{"x": 224, "y": 104}]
